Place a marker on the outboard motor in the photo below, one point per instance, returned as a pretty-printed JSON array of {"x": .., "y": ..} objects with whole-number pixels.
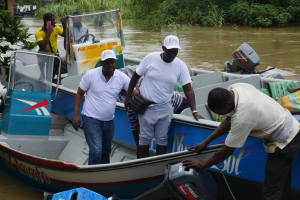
[
  {"x": 245, "y": 60},
  {"x": 182, "y": 184}
]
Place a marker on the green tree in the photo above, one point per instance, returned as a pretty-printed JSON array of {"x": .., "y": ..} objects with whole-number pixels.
[
  {"x": 25, "y": 2},
  {"x": 12, "y": 31}
]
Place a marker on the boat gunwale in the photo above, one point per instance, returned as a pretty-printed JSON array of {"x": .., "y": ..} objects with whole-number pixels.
[{"x": 106, "y": 167}]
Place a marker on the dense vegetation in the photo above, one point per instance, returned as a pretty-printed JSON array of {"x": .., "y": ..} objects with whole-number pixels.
[{"x": 157, "y": 13}]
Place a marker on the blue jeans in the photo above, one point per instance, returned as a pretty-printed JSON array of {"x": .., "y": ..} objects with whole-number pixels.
[{"x": 98, "y": 135}]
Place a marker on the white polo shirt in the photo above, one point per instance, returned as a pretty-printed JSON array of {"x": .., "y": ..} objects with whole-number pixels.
[
  {"x": 160, "y": 77},
  {"x": 257, "y": 113},
  {"x": 101, "y": 96}
]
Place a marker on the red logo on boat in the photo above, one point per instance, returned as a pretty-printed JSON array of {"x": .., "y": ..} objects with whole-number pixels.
[{"x": 36, "y": 106}]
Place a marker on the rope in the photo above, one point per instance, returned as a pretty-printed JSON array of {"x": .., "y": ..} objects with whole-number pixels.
[{"x": 226, "y": 182}]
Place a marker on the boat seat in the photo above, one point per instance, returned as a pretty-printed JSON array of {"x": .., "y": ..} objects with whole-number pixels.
[
  {"x": 201, "y": 94},
  {"x": 207, "y": 79}
]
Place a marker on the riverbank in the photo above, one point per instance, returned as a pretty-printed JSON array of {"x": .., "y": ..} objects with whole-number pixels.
[
  {"x": 158, "y": 13},
  {"x": 209, "y": 47}
]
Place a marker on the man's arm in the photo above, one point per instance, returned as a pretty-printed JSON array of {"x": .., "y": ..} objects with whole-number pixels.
[
  {"x": 134, "y": 79},
  {"x": 190, "y": 96},
  {"x": 78, "y": 99},
  {"x": 218, "y": 157},
  {"x": 63, "y": 21},
  {"x": 43, "y": 43},
  {"x": 221, "y": 130}
]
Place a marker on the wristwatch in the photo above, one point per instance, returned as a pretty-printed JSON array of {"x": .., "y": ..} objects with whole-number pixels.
[{"x": 195, "y": 111}]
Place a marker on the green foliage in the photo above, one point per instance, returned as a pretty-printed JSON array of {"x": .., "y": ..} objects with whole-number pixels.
[
  {"x": 11, "y": 31},
  {"x": 263, "y": 14},
  {"x": 179, "y": 13},
  {"x": 25, "y": 2},
  {"x": 236, "y": 27},
  {"x": 65, "y": 7},
  {"x": 217, "y": 16},
  {"x": 153, "y": 23}
]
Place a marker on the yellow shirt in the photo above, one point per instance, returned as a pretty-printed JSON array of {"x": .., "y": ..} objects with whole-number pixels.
[{"x": 40, "y": 35}]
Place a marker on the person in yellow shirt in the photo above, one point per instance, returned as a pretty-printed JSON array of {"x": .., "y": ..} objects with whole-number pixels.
[{"x": 46, "y": 38}]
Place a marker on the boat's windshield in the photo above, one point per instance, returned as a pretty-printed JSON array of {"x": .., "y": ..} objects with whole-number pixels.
[
  {"x": 94, "y": 27},
  {"x": 31, "y": 72}
]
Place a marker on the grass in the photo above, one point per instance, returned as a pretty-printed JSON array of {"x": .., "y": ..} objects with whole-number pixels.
[
  {"x": 236, "y": 27},
  {"x": 66, "y": 7}
]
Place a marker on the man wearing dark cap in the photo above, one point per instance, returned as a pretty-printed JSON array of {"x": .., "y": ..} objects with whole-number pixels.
[
  {"x": 102, "y": 86},
  {"x": 161, "y": 71}
]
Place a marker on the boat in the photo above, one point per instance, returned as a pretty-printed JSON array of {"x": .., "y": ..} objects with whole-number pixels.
[
  {"x": 244, "y": 169},
  {"x": 41, "y": 156}
]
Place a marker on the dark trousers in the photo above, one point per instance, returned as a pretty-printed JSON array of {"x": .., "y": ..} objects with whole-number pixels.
[
  {"x": 98, "y": 135},
  {"x": 278, "y": 171}
]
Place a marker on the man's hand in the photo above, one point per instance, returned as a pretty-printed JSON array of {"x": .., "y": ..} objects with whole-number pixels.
[
  {"x": 63, "y": 20},
  {"x": 126, "y": 103},
  {"x": 199, "y": 147},
  {"x": 197, "y": 116},
  {"x": 50, "y": 29},
  {"x": 137, "y": 126},
  {"x": 76, "y": 122},
  {"x": 193, "y": 163}
]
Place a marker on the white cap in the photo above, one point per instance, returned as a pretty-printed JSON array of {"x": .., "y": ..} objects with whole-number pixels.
[
  {"x": 108, "y": 54},
  {"x": 172, "y": 42}
]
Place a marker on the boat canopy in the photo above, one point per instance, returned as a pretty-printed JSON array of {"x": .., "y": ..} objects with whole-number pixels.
[{"x": 89, "y": 35}]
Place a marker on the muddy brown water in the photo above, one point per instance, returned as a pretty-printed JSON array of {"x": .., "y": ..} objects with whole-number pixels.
[{"x": 201, "y": 47}]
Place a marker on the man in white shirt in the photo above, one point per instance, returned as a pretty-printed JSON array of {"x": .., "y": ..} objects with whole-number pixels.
[
  {"x": 250, "y": 112},
  {"x": 161, "y": 71},
  {"x": 102, "y": 86}
]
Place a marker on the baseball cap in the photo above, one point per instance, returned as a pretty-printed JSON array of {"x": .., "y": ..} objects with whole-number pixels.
[
  {"x": 108, "y": 54},
  {"x": 172, "y": 42}
]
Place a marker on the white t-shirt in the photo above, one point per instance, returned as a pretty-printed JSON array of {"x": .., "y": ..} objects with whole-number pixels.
[
  {"x": 160, "y": 77},
  {"x": 255, "y": 111},
  {"x": 101, "y": 96}
]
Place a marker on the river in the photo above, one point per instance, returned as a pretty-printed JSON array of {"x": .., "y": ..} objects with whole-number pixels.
[{"x": 201, "y": 47}]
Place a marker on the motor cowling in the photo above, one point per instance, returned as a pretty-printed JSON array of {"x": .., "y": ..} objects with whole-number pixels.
[
  {"x": 245, "y": 60},
  {"x": 183, "y": 184}
]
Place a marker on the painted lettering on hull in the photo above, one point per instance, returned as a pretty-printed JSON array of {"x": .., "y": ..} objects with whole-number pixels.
[
  {"x": 230, "y": 165},
  {"x": 34, "y": 173}
]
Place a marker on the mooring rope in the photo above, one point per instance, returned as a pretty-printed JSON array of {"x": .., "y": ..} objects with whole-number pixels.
[{"x": 220, "y": 168}]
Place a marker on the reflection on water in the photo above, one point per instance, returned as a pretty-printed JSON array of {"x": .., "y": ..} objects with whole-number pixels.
[
  {"x": 204, "y": 48},
  {"x": 10, "y": 190}
]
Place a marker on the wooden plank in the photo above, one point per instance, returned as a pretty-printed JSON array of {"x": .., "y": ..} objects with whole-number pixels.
[
  {"x": 10, "y": 7},
  {"x": 58, "y": 122}
]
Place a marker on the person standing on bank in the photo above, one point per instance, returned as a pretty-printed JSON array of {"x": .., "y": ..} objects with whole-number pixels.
[
  {"x": 46, "y": 38},
  {"x": 250, "y": 112},
  {"x": 161, "y": 71},
  {"x": 102, "y": 86}
]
